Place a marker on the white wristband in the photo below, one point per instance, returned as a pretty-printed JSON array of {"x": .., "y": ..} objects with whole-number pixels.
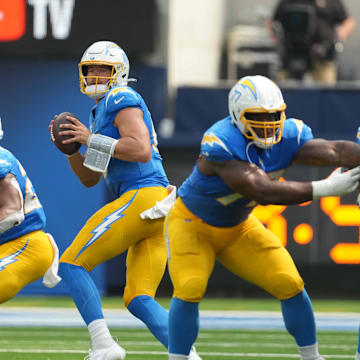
[{"x": 100, "y": 149}]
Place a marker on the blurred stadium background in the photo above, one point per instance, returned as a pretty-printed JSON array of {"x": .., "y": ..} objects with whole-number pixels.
[{"x": 186, "y": 55}]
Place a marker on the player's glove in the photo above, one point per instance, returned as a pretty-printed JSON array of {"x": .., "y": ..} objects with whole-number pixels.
[{"x": 339, "y": 183}]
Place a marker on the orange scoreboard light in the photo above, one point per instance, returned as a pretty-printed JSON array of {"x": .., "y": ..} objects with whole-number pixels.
[{"x": 342, "y": 249}]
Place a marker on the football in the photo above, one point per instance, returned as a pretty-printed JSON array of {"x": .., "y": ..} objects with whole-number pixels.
[{"x": 68, "y": 149}]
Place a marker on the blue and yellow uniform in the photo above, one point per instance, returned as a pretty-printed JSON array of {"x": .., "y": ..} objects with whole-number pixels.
[
  {"x": 117, "y": 226},
  {"x": 25, "y": 250},
  {"x": 209, "y": 220}
]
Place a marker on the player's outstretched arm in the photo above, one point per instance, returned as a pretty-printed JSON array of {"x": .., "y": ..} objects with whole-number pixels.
[
  {"x": 320, "y": 152},
  {"x": 252, "y": 182}
]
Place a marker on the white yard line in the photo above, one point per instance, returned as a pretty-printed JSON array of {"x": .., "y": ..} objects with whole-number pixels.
[{"x": 255, "y": 320}]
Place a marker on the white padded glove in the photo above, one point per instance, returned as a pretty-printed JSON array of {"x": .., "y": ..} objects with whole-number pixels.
[{"x": 339, "y": 183}]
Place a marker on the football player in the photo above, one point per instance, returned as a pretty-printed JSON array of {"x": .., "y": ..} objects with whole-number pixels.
[
  {"x": 121, "y": 145},
  {"x": 26, "y": 252},
  {"x": 241, "y": 158}
]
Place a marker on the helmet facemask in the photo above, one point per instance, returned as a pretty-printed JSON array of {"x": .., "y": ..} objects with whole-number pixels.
[
  {"x": 100, "y": 88},
  {"x": 263, "y": 127}
]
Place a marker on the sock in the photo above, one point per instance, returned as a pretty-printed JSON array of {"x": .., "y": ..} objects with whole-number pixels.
[
  {"x": 154, "y": 316},
  {"x": 83, "y": 291},
  {"x": 310, "y": 352},
  {"x": 183, "y": 327},
  {"x": 100, "y": 334},
  {"x": 299, "y": 319}
]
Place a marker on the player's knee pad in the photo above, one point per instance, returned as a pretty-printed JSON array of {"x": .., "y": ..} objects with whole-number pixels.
[
  {"x": 285, "y": 285},
  {"x": 191, "y": 289}
]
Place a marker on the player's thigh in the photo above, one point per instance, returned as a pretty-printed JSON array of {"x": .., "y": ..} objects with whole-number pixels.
[
  {"x": 23, "y": 261},
  {"x": 145, "y": 267},
  {"x": 258, "y": 256},
  {"x": 191, "y": 256},
  {"x": 114, "y": 228}
]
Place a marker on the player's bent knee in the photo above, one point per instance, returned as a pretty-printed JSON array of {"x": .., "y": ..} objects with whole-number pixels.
[
  {"x": 192, "y": 289},
  {"x": 284, "y": 286},
  {"x": 9, "y": 290}
]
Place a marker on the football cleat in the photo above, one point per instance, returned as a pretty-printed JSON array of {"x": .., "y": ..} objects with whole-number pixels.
[
  {"x": 193, "y": 354},
  {"x": 114, "y": 352}
]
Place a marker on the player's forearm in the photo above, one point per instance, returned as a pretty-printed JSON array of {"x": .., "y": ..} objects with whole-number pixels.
[
  {"x": 283, "y": 193},
  {"x": 87, "y": 177}
]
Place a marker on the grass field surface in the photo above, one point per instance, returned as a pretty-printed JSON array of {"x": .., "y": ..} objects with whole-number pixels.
[
  {"x": 63, "y": 343},
  {"x": 243, "y": 304}
]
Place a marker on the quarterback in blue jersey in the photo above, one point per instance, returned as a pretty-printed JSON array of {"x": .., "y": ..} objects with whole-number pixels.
[
  {"x": 241, "y": 158},
  {"x": 26, "y": 252},
  {"x": 121, "y": 145}
]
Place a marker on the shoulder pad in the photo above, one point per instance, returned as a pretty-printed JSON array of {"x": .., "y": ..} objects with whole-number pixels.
[
  {"x": 214, "y": 149},
  {"x": 121, "y": 97},
  {"x": 296, "y": 128}
]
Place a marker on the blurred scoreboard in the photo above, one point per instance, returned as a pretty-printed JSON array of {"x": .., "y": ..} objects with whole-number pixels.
[
  {"x": 318, "y": 232},
  {"x": 64, "y": 28}
]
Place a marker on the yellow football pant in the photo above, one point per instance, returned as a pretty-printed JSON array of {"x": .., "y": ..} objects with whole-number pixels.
[
  {"x": 23, "y": 261},
  {"x": 117, "y": 227},
  {"x": 248, "y": 250}
]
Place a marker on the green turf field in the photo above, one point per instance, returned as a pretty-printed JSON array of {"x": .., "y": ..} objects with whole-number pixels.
[
  {"x": 244, "y": 304},
  {"x": 72, "y": 343}
]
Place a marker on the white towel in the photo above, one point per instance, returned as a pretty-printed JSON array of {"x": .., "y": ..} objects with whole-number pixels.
[
  {"x": 51, "y": 278},
  {"x": 162, "y": 207}
]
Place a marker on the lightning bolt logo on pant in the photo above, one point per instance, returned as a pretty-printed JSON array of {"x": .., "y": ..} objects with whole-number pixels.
[
  {"x": 7, "y": 260},
  {"x": 105, "y": 225}
]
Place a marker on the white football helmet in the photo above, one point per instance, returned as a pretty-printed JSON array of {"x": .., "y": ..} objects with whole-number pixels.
[
  {"x": 104, "y": 53},
  {"x": 1, "y": 131},
  {"x": 250, "y": 100}
]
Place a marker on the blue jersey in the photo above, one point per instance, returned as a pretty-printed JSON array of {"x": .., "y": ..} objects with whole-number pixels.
[
  {"x": 34, "y": 213},
  {"x": 209, "y": 198},
  {"x": 358, "y": 136},
  {"x": 122, "y": 176}
]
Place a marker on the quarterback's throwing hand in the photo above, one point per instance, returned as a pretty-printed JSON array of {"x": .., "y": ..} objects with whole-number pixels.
[{"x": 337, "y": 184}]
